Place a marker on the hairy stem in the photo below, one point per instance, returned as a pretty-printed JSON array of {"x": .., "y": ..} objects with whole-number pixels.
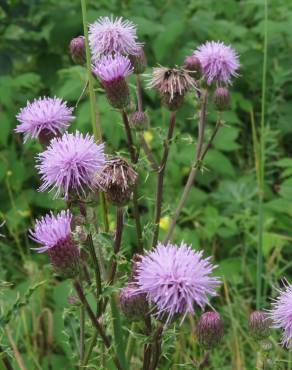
[
  {"x": 93, "y": 107},
  {"x": 117, "y": 243},
  {"x": 95, "y": 321},
  {"x": 157, "y": 347},
  {"x": 147, "y": 346},
  {"x": 96, "y": 271},
  {"x": 262, "y": 165},
  {"x": 134, "y": 160},
  {"x": 139, "y": 92},
  {"x": 154, "y": 165},
  {"x": 194, "y": 168},
  {"x": 160, "y": 179}
]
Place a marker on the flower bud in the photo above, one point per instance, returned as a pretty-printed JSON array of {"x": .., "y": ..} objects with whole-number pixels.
[
  {"x": 117, "y": 93},
  {"x": 65, "y": 258},
  {"x": 118, "y": 179},
  {"x": 77, "y": 50},
  {"x": 192, "y": 63},
  {"x": 209, "y": 329},
  {"x": 133, "y": 304},
  {"x": 138, "y": 61},
  {"x": 135, "y": 264},
  {"x": 222, "y": 98},
  {"x": 259, "y": 325},
  {"x": 139, "y": 120}
]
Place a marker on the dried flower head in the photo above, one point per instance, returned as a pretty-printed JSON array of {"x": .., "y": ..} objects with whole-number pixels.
[
  {"x": 110, "y": 36},
  {"x": 118, "y": 181},
  {"x": 210, "y": 329},
  {"x": 259, "y": 325},
  {"x": 44, "y": 116},
  {"x": 219, "y": 61},
  {"x": 54, "y": 234},
  {"x": 77, "y": 50},
  {"x": 70, "y": 164},
  {"x": 112, "y": 71},
  {"x": 176, "y": 278},
  {"x": 281, "y": 313},
  {"x": 172, "y": 83},
  {"x": 134, "y": 306}
]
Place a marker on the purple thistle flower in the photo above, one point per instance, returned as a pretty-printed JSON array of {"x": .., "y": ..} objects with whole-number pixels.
[
  {"x": 54, "y": 234},
  {"x": 50, "y": 230},
  {"x": 112, "y": 71},
  {"x": 109, "y": 35},
  {"x": 219, "y": 62},
  {"x": 175, "y": 278},
  {"x": 71, "y": 163},
  {"x": 44, "y": 115},
  {"x": 110, "y": 68},
  {"x": 281, "y": 313}
]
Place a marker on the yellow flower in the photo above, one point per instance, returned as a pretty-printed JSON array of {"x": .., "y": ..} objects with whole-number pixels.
[
  {"x": 148, "y": 136},
  {"x": 164, "y": 222}
]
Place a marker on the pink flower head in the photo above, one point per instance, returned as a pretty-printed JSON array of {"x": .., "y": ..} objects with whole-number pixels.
[
  {"x": 52, "y": 230},
  {"x": 50, "y": 115},
  {"x": 71, "y": 163},
  {"x": 219, "y": 62},
  {"x": 281, "y": 313},
  {"x": 109, "y": 36},
  {"x": 111, "y": 68},
  {"x": 175, "y": 278}
]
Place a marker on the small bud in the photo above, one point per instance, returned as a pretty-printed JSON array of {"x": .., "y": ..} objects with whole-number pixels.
[
  {"x": 138, "y": 61},
  {"x": 222, "y": 98},
  {"x": 133, "y": 305},
  {"x": 118, "y": 180},
  {"x": 209, "y": 329},
  {"x": 77, "y": 50},
  {"x": 139, "y": 121},
  {"x": 193, "y": 64},
  {"x": 64, "y": 257},
  {"x": 259, "y": 325}
]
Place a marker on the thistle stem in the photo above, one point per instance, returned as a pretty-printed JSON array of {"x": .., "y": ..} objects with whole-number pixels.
[
  {"x": 96, "y": 271},
  {"x": 117, "y": 243},
  {"x": 93, "y": 107},
  {"x": 147, "y": 346},
  {"x": 134, "y": 160},
  {"x": 160, "y": 179},
  {"x": 194, "y": 168},
  {"x": 262, "y": 165},
  {"x": 148, "y": 152},
  {"x": 82, "y": 335},
  {"x": 139, "y": 92},
  {"x": 157, "y": 347},
  {"x": 95, "y": 322}
]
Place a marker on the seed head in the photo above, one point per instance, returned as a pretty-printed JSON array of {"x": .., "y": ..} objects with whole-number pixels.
[
  {"x": 172, "y": 83},
  {"x": 118, "y": 180}
]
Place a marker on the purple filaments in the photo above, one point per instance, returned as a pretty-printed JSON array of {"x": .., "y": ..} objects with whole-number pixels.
[
  {"x": 110, "y": 36},
  {"x": 70, "y": 163},
  {"x": 175, "y": 278},
  {"x": 50, "y": 230},
  {"x": 281, "y": 314},
  {"x": 51, "y": 115},
  {"x": 219, "y": 62},
  {"x": 110, "y": 68}
]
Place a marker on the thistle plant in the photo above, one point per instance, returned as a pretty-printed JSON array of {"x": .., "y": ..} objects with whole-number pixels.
[{"x": 131, "y": 292}]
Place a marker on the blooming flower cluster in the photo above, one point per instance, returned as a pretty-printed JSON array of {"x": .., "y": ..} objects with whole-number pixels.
[
  {"x": 44, "y": 115},
  {"x": 110, "y": 36},
  {"x": 175, "y": 278},
  {"x": 219, "y": 62},
  {"x": 71, "y": 163}
]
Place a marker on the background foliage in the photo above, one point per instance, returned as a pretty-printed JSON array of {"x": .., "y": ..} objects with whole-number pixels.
[{"x": 221, "y": 213}]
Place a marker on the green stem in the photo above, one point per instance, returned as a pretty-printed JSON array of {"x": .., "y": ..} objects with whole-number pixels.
[
  {"x": 90, "y": 349},
  {"x": 96, "y": 272},
  {"x": 131, "y": 343},
  {"x": 93, "y": 107},
  {"x": 118, "y": 333},
  {"x": 82, "y": 334},
  {"x": 262, "y": 165}
]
